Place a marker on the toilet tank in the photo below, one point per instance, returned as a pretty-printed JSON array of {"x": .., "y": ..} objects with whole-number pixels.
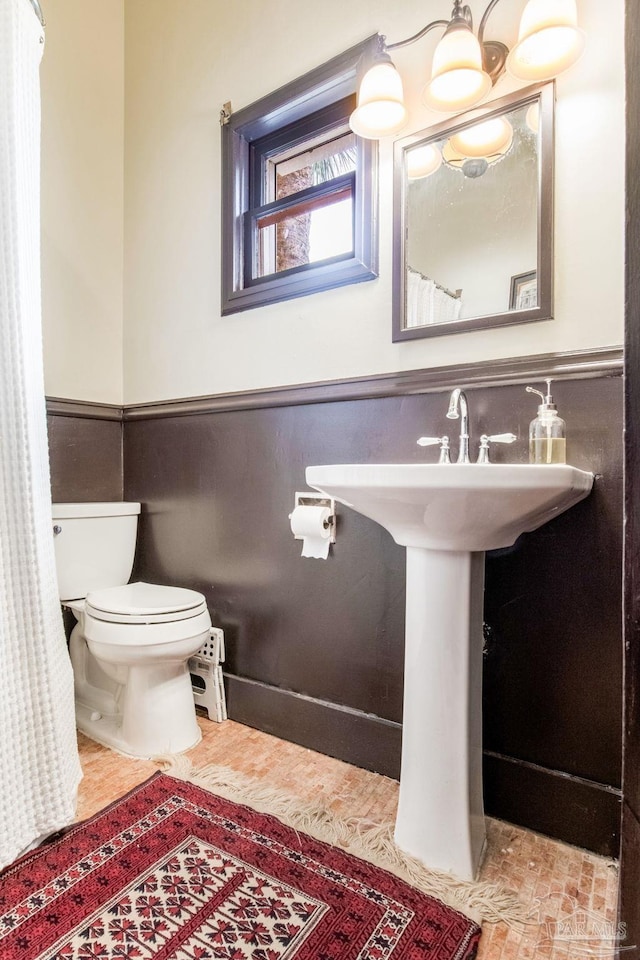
[{"x": 95, "y": 544}]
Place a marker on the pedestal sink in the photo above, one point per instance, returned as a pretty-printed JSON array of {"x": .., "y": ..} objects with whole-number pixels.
[{"x": 447, "y": 515}]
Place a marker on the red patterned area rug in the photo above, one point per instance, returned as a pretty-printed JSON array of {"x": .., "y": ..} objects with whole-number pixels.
[{"x": 172, "y": 872}]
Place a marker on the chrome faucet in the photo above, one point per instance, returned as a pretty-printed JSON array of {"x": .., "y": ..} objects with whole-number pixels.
[{"x": 459, "y": 408}]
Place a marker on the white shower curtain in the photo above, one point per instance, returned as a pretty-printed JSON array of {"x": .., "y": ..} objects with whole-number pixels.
[{"x": 39, "y": 769}]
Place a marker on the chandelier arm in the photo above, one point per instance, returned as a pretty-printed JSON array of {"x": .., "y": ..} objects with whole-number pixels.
[
  {"x": 420, "y": 34},
  {"x": 485, "y": 17}
]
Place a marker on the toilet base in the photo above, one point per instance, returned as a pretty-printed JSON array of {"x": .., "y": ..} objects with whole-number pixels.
[
  {"x": 108, "y": 732},
  {"x": 132, "y": 683}
]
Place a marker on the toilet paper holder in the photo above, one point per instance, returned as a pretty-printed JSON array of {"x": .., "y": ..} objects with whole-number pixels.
[{"x": 308, "y": 499}]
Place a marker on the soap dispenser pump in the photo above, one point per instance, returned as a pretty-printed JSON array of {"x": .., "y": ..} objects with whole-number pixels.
[{"x": 547, "y": 437}]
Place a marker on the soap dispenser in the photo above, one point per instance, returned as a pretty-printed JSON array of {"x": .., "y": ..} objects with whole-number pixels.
[{"x": 547, "y": 438}]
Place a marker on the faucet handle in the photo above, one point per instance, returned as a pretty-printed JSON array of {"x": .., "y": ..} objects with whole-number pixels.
[
  {"x": 432, "y": 442},
  {"x": 483, "y": 453}
]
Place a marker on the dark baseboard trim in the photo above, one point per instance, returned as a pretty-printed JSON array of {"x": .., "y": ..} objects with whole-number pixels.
[
  {"x": 572, "y": 809},
  {"x": 568, "y": 808},
  {"x": 85, "y": 410},
  {"x": 361, "y": 739},
  {"x": 598, "y": 362}
]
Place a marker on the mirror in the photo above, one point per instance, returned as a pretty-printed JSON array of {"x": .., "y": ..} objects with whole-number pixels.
[{"x": 473, "y": 219}]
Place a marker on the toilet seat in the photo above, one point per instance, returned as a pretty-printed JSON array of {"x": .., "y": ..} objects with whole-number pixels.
[{"x": 144, "y": 603}]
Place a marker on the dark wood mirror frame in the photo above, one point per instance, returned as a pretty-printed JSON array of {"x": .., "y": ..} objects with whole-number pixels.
[{"x": 544, "y": 310}]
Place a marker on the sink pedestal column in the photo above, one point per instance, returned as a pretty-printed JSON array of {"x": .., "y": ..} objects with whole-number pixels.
[{"x": 440, "y": 812}]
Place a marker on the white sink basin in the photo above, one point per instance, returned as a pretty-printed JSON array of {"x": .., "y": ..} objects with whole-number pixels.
[
  {"x": 454, "y": 506},
  {"x": 447, "y": 515}
]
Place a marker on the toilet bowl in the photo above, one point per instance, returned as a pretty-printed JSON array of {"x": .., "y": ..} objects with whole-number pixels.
[{"x": 131, "y": 645}]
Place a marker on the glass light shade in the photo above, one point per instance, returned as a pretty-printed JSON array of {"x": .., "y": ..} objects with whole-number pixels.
[
  {"x": 423, "y": 161},
  {"x": 381, "y": 110},
  {"x": 549, "y": 41},
  {"x": 457, "y": 78},
  {"x": 533, "y": 117},
  {"x": 488, "y": 139}
]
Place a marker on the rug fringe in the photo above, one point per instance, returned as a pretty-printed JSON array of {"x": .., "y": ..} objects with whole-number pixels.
[{"x": 373, "y": 842}]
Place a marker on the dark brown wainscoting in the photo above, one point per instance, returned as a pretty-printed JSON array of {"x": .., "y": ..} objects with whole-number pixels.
[
  {"x": 629, "y": 909},
  {"x": 85, "y": 452},
  {"x": 581, "y": 812},
  {"x": 360, "y": 738},
  {"x": 315, "y": 648},
  {"x": 85, "y": 458}
]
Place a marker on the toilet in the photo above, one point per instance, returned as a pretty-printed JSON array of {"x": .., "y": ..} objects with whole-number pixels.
[{"x": 132, "y": 642}]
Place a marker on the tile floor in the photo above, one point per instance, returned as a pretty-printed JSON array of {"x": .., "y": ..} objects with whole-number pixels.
[{"x": 571, "y": 894}]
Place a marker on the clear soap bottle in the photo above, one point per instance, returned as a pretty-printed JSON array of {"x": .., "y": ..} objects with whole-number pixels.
[{"x": 547, "y": 433}]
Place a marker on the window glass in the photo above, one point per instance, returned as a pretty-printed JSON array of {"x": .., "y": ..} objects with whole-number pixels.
[
  {"x": 311, "y": 166},
  {"x": 315, "y": 230},
  {"x": 305, "y": 201}
]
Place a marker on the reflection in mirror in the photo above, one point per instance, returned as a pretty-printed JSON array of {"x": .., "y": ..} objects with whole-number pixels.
[{"x": 473, "y": 228}]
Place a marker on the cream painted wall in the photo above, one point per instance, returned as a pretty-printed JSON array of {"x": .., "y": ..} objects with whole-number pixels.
[
  {"x": 184, "y": 58},
  {"x": 82, "y": 198}
]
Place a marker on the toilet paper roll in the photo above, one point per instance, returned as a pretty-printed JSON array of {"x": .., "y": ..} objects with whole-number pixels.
[{"x": 308, "y": 524}]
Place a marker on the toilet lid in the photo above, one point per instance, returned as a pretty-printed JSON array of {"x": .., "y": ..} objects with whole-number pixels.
[{"x": 144, "y": 603}]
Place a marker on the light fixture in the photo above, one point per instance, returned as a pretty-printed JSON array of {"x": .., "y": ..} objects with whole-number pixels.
[
  {"x": 458, "y": 79},
  {"x": 549, "y": 41},
  {"x": 486, "y": 139},
  {"x": 465, "y": 65},
  {"x": 423, "y": 161},
  {"x": 381, "y": 110},
  {"x": 463, "y": 153},
  {"x": 471, "y": 167}
]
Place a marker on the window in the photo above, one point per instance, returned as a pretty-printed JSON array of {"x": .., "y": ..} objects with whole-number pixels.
[
  {"x": 308, "y": 188},
  {"x": 298, "y": 192}
]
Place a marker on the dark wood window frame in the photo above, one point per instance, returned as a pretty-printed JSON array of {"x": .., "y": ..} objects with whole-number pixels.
[{"x": 293, "y": 113}]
